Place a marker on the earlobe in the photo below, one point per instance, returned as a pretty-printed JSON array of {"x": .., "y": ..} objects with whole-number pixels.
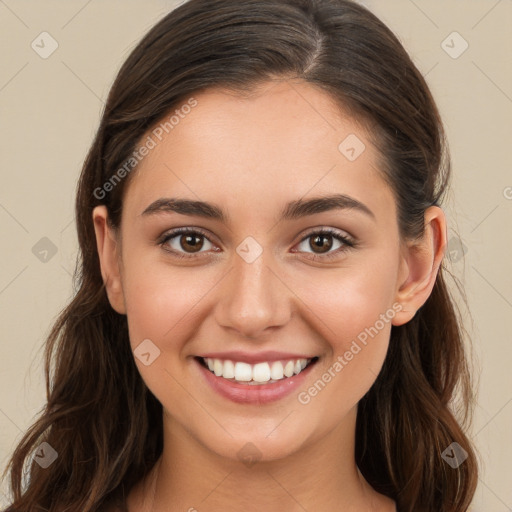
[
  {"x": 108, "y": 247},
  {"x": 420, "y": 265}
]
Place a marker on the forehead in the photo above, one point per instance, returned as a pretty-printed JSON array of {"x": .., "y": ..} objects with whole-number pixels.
[{"x": 283, "y": 141}]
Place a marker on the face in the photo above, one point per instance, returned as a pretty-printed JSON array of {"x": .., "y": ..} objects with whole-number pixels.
[{"x": 271, "y": 279}]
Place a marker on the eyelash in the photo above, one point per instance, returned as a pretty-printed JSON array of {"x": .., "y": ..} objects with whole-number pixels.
[{"x": 348, "y": 243}]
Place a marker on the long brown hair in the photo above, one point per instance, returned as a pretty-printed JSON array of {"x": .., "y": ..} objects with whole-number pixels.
[{"x": 100, "y": 418}]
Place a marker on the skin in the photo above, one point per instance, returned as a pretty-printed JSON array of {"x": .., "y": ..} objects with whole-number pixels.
[{"x": 251, "y": 156}]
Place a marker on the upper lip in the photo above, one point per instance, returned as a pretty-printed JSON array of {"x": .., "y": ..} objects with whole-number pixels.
[{"x": 255, "y": 357}]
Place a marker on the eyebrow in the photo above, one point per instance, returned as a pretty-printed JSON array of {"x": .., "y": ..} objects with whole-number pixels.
[{"x": 292, "y": 210}]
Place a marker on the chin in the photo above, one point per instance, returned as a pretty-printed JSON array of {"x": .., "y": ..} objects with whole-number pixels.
[{"x": 258, "y": 445}]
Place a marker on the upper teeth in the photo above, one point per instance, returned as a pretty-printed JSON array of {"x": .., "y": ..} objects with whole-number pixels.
[{"x": 260, "y": 372}]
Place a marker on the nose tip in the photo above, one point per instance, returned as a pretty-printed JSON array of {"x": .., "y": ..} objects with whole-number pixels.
[{"x": 252, "y": 299}]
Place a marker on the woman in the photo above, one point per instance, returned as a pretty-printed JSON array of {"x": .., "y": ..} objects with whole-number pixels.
[{"x": 262, "y": 321}]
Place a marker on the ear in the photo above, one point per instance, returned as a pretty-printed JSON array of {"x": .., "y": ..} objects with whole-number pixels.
[
  {"x": 108, "y": 247},
  {"x": 420, "y": 264}
]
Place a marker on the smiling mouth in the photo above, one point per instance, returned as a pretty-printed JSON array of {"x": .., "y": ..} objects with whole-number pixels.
[{"x": 255, "y": 374}]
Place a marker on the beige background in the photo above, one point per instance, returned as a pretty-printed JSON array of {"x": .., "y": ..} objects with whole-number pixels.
[{"x": 49, "y": 111}]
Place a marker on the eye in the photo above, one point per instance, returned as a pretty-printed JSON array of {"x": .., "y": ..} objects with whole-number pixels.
[
  {"x": 323, "y": 241},
  {"x": 185, "y": 242},
  {"x": 189, "y": 242}
]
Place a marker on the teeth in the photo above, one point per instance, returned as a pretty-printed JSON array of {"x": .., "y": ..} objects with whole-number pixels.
[
  {"x": 289, "y": 368},
  {"x": 218, "y": 367},
  {"x": 243, "y": 371},
  {"x": 276, "y": 370},
  {"x": 228, "y": 370},
  {"x": 260, "y": 373}
]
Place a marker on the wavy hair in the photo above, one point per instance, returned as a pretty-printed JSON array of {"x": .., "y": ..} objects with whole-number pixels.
[{"x": 100, "y": 417}]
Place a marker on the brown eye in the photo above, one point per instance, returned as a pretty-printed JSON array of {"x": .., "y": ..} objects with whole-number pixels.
[
  {"x": 322, "y": 242},
  {"x": 326, "y": 243},
  {"x": 184, "y": 241},
  {"x": 190, "y": 242}
]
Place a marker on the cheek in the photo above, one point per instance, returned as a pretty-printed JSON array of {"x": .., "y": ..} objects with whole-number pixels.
[
  {"x": 162, "y": 303},
  {"x": 353, "y": 311},
  {"x": 347, "y": 301},
  {"x": 163, "y": 306}
]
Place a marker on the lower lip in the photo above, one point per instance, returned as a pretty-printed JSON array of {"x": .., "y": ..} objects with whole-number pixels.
[{"x": 254, "y": 394}]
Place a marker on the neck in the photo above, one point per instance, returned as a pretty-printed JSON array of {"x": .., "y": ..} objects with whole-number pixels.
[{"x": 322, "y": 476}]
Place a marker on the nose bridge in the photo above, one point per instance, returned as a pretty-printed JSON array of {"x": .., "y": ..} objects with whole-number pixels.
[{"x": 252, "y": 298}]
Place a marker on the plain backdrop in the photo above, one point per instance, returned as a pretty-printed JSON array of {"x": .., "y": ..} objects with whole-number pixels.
[{"x": 49, "y": 111}]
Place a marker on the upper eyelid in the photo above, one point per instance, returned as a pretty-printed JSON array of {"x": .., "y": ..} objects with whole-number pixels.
[
  {"x": 328, "y": 230},
  {"x": 180, "y": 231}
]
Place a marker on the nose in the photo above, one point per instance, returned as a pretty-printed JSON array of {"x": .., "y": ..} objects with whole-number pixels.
[{"x": 253, "y": 299}]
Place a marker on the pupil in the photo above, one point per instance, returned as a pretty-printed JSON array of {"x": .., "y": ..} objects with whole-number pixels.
[
  {"x": 323, "y": 247},
  {"x": 189, "y": 241}
]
